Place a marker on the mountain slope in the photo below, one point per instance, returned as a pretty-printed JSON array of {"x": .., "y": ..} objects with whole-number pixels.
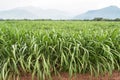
[
  {"x": 16, "y": 14},
  {"x": 110, "y": 12},
  {"x": 33, "y": 13}
]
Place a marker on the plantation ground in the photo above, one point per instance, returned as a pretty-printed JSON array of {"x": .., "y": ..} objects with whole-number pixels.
[
  {"x": 65, "y": 76},
  {"x": 45, "y": 48}
]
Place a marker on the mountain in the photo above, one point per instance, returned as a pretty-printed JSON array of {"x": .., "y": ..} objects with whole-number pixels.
[
  {"x": 16, "y": 14},
  {"x": 33, "y": 13},
  {"x": 110, "y": 12}
]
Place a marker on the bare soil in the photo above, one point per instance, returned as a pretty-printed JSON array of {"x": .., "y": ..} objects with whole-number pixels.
[{"x": 65, "y": 76}]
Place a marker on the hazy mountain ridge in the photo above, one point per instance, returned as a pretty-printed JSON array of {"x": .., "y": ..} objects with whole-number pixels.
[
  {"x": 33, "y": 13},
  {"x": 110, "y": 12},
  {"x": 16, "y": 14}
]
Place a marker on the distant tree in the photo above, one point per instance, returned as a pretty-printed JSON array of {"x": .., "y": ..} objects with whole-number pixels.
[
  {"x": 26, "y": 19},
  {"x": 104, "y": 19},
  {"x": 107, "y": 19},
  {"x": 98, "y": 19},
  {"x": 86, "y": 20},
  {"x": 42, "y": 19},
  {"x": 117, "y": 19},
  {"x": 1, "y": 19}
]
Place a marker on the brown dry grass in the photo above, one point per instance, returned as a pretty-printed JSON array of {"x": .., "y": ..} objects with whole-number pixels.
[{"x": 65, "y": 76}]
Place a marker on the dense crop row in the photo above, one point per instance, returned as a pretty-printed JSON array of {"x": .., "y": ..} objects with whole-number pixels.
[{"x": 43, "y": 48}]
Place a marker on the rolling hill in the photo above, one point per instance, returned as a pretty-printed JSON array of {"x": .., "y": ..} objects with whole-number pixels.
[
  {"x": 110, "y": 12},
  {"x": 33, "y": 13}
]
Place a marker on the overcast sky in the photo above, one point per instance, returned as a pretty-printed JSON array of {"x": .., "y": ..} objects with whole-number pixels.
[{"x": 72, "y": 6}]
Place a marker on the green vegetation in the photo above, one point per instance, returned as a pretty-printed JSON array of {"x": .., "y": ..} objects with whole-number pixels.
[{"x": 43, "y": 48}]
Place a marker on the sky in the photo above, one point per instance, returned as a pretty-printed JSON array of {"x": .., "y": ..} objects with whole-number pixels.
[{"x": 71, "y": 6}]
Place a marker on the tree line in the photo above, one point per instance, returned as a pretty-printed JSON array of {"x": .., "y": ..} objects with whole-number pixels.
[
  {"x": 102, "y": 19},
  {"x": 95, "y": 19}
]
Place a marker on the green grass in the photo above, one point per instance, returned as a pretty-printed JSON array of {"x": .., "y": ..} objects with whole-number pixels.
[{"x": 43, "y": 48}]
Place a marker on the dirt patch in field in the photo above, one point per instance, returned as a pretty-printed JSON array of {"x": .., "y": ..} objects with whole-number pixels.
[{"x": 65, "y": 76}]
